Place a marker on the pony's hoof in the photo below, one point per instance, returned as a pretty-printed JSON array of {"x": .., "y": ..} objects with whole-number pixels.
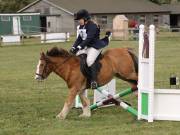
[
  {"x": 60, "y": 117},
  {"x": 85, "y": 115},
  {"x": 136, "y": 93}
]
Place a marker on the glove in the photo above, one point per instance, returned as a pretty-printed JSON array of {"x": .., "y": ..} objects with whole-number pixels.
[{"x": 73, "y": 50}]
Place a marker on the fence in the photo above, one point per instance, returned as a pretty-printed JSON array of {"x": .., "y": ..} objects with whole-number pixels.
[{"x": 33, "y": 35}]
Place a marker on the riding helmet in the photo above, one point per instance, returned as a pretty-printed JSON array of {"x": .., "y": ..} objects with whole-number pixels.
[{"x": 82, "y": 14}]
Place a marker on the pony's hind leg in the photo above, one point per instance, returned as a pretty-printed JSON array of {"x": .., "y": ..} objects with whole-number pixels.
[
  {"x": 85, "y": 105},
  {"x": 132, "y": 79}
]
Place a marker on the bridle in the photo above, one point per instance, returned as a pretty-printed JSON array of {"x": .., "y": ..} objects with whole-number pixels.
[
  {"x": 44, "y": 68},
  {"x": 47, "y": 62}
]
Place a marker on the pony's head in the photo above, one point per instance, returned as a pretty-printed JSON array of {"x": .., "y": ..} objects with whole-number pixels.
[
  {"x": 45, "y": 64},
  {"x": 43, "y": 69}
]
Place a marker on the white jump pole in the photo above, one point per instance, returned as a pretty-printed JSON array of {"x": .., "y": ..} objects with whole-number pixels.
[
  {"x": 146, "y": 75},
  {"x": 153, "y": 104}
]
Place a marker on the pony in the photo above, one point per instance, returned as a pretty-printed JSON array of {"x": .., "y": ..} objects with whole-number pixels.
[{"x": 116, "y": 62}]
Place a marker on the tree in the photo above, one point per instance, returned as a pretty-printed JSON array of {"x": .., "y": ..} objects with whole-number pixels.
[
  {"x": 164, "y": 1},
  {"x": 13, "y": 5},
  {"x": 161, "y": 1}
]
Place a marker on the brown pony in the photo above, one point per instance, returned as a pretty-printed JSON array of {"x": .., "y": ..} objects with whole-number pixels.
[{"x": 119, "y": 62}]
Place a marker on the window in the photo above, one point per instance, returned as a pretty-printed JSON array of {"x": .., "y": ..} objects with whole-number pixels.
[
  {"x": 5, "y": 18},
  {"x": 104, "y": 20},
  {"x": 156, "y": 19},
  {"x": 27, "y": 18},
  {"x": 142, "y": 19}
]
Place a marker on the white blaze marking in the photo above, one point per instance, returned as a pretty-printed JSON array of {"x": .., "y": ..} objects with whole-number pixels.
[{"x": 37, "y": 70}]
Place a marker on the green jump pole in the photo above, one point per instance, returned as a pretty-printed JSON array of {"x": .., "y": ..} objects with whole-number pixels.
[
  {"x": 122, "y": 104},
  {"x": 121, "y": 94},
  {"x": 129, "y": 108},
  {"x": 125, "y": 92}
]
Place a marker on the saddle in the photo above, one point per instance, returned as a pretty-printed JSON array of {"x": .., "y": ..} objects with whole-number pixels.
[{"x": 85, "y": 69}]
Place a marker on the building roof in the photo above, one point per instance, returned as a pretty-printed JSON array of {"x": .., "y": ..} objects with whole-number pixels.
[
  {"x": 174, "y": 8},
  {"x": 105, "y": 6},
  {"x": 18, "y": 14}
]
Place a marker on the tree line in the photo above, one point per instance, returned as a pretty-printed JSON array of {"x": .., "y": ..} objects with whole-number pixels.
[
  {"x": 9, "y": 6},
  {"x": 164, "y": 1}
]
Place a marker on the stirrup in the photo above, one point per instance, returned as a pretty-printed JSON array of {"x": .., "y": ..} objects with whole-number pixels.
[{"x": 94, "y": 85}]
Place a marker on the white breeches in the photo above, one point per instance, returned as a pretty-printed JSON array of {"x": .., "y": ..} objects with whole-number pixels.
[{"x": 92, "y": 54}]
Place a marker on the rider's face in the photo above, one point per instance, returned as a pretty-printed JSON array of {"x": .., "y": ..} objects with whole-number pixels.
[{"x": 81, "y": 21}]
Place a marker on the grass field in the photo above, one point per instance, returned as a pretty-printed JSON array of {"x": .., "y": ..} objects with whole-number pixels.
[{"x": 29, "y": 108}]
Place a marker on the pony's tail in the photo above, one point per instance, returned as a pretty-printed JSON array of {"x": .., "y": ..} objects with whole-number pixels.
[{"x": 134, "y": 58}]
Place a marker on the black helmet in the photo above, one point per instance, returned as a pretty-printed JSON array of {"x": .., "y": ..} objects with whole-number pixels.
[{"x": 82, "y": 14}]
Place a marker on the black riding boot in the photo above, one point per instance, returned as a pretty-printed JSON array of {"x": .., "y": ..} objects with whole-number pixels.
[{"x": 93, "y": 70}]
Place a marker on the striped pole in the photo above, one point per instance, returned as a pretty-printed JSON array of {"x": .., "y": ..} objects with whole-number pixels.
[
  {"x": 122, "y": 104},
  {"x": 121, "y": 94},
  {"x": 129, "y": 108}
]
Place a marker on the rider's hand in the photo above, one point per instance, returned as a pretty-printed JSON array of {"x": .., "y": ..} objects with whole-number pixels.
[
  {"x": 73, "y": 50},
  {"x": 79, "y": 47}
]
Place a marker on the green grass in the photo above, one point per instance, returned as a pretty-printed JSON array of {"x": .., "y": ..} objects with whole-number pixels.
[{"x": 29, "y": 108}]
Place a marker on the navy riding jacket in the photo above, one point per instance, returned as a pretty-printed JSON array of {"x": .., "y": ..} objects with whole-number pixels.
[{"x": 89, "y": 36}]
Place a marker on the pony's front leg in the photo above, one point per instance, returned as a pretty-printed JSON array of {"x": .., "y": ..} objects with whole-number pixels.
[
  {"x": 68, "y": 104},
  {"x": 85, "y": 105}
]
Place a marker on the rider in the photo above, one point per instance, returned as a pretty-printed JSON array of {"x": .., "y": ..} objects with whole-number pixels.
[{"x": 88, "y": 42}]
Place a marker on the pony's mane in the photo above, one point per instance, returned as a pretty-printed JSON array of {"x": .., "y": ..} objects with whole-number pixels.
[{"x": 58, "y": 52}]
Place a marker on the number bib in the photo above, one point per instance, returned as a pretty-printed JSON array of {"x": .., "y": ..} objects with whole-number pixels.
[{"x": 82, "y": 33}]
